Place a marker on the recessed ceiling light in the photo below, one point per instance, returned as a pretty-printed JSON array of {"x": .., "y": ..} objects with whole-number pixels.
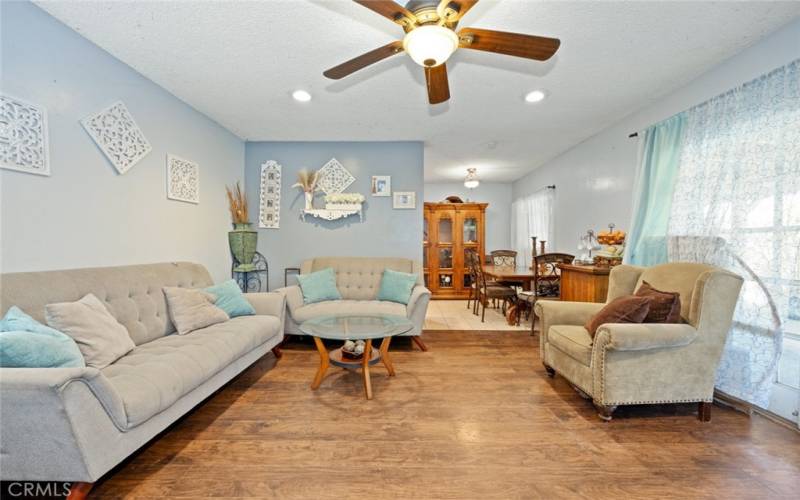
[
  {"x": 535, "y": 96},
  {"x": 301, "y": 95}
]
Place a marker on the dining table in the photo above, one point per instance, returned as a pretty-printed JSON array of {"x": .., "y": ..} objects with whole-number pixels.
[{"x": 519, "y": 274}]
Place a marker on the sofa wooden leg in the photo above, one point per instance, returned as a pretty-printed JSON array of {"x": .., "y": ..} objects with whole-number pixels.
[
  {"x": 550, "y": 371},
  {"x": 277, "y": 351},
  {"x": 79, "y": 491},
  {"x": 419, "y": 343},
  {"x": 704, "y": 411},
  {"x": 605, "y": 412}
]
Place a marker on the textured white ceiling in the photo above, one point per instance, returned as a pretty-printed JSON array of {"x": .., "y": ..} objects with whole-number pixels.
[{"x": 238, "y": 63}]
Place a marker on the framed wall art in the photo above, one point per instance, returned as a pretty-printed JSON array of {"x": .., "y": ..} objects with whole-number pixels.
[
  {"x": 119, "y": 137},
  {"x": 269, "y": 214},
  {"x": 333, "y": 177},
  {"x": 404, "y": 200},
  {"x": 381, "y": 185},
  {"x": 183, "y": 179},
  {"x": 23, "y": 136}
]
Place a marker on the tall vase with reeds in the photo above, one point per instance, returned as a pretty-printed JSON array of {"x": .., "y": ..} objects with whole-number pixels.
[{"x": 243, "y": 240}]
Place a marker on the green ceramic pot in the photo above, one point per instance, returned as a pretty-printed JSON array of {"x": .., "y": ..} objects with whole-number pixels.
[{"x": 243, "y": 240}]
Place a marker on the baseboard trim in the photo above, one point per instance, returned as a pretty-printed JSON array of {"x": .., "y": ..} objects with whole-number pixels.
[{"x": 743, "y": 406}]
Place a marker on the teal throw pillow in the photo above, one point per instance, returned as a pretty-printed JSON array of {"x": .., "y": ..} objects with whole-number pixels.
[
  {"x": 319, "y": 286},
  {"x": 26, "y": 343},
  {"x": 231, "y": 299},
  {"x": 396, "y": 286}
]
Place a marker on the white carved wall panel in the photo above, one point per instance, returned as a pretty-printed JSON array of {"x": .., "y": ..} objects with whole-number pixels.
[
  {"x": 23, "y": 136},
  {"x": 334, "y": 178},
  {"x": 269, "y": 215},
  {"x": 183, "y": 179},
  {"x": 117, "y": 134}
]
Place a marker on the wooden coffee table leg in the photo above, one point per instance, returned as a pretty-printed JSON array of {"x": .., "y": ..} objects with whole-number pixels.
[
  {"x": 323, "y": 363},
  {"x": 387, "y": 360},
  {"x": 365, "y": 369}
]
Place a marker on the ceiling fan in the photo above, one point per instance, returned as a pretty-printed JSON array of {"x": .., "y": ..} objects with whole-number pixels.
[{"x": 431, "y": 38}]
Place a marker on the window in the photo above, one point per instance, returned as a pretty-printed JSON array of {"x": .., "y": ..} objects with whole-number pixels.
[
  {"x": 532, "y": 216},
  {"x": 736, "y": 204}
]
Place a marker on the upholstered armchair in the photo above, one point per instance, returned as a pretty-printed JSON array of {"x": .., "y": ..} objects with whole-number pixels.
[{"x": 627, "y": 364}]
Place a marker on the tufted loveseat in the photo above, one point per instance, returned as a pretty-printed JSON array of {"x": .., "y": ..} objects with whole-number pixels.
[
  {"x": 75, "y": 424},
  {"x": 358, "y": 280}
]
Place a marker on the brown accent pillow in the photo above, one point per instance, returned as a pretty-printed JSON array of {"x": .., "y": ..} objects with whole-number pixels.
[
  {"x": 625, "y": 309},
  {"x": 665, "y": 307}
]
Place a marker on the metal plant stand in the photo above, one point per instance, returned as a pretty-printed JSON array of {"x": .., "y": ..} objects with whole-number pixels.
[{"x": 256, "y": 280}]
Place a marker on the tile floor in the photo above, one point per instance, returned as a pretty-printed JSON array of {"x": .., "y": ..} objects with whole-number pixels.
[{"x": 454, "y": 315}]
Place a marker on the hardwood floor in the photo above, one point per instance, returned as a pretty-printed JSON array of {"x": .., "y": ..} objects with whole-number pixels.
[{"x": 474, "y": 417}]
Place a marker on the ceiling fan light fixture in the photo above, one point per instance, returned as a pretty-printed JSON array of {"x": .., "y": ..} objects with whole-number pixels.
[
  {"x": 430, "y": 45},
  {"x": 471, "y": 180}
]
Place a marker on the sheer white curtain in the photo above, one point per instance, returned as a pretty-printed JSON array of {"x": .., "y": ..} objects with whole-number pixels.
[
  {"x": 736, "y": 204},
  {"x": 532, "y": 216}
]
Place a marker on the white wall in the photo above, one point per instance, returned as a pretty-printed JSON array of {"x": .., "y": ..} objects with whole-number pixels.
[
  {"x": 86, "y": 214},
  {"x": 498, "y": 213},
  {"x": 594, "y": 179}
]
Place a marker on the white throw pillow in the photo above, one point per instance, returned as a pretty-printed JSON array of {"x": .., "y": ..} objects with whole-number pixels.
[
  {"x": 191, "y": 309},
  {"x": 100, "y": 337}
]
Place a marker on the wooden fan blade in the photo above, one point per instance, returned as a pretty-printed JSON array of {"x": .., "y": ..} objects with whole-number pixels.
[
  {"x": 438, "y": 88},
  {"x": 390, "y": 10},
  {"x": 364, "y": 60},
  {"x": 454, "y": 10},
  {"x": 513, "y": 44}
]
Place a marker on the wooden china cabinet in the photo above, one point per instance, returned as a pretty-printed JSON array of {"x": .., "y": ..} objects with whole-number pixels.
[{"x": 450, "y": 230}]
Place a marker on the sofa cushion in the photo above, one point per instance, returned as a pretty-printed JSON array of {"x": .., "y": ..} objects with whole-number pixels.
[
  {"x": 192, "y": 309},
  {"x": 348, "y": 307},
  {"x": 319, "y": 286},
  {"x": 625, "y": 309},
  {"x": 154, "y": 375},
  {"x": 26, "y": 343},
  {"x": 396, "y": 286},
  {"x": 231, "y": 299},
  {"x": 574, "y": 341},
  {"x": 665, "y": 307},
  {"x": 100, "y": 337}
]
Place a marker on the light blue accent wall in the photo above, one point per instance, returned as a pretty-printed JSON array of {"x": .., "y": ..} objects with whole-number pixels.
[
  {"x": 85, "y": 214},
  {"x": 385, "y": 232},
  {"x": 498, "y": 213}
]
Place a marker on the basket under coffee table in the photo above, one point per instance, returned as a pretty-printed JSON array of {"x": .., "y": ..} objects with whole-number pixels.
[{"x": 366, "y": 328}]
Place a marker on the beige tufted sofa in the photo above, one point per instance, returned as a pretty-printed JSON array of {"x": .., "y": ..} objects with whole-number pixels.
[
  {"x": 358, "y": 280},
  {"x": 75, "y": 424},
  {"x": 628, "y": 364}
]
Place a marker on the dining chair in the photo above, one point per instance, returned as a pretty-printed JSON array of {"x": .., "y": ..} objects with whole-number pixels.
[
  {"x": 491, "y": 290},
  {"x": 471, "y": 259},
  {"x": 504, "y": 258},
  {"x": 546, "y": 284}
]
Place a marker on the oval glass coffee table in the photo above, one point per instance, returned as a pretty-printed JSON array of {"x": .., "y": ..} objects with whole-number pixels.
[{"x": 361, "y": 327}]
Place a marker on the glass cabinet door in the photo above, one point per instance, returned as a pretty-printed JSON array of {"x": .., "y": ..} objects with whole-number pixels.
[
  {"x": 470, "y": 230},
  {"x": 445, "y": 230},
  {"x": 445, "y": 258}
]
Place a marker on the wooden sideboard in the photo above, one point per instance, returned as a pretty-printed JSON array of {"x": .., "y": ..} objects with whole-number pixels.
[{"x": 584, "y": 283}]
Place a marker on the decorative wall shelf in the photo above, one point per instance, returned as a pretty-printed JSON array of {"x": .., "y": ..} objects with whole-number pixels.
[{"x": 333, "y": 214}]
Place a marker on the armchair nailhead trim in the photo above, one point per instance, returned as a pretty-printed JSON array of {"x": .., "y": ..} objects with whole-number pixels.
[{"x": 655, "y": 402}]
